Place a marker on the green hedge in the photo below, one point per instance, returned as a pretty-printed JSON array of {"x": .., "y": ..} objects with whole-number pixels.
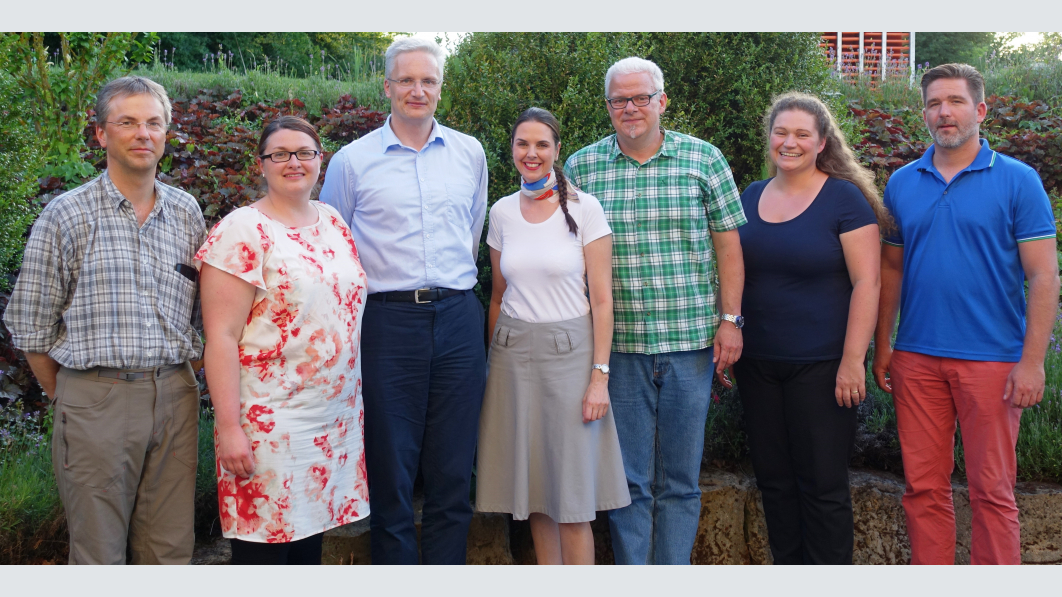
[
  {"x": 20, "y": 160},
  {"x": 718, "y": 87}
]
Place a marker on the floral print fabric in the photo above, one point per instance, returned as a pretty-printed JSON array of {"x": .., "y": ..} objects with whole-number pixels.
[{"x": 300, "y": 376}]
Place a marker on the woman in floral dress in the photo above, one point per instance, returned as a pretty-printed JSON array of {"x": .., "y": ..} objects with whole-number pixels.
[{"x": 282, "y": 293}]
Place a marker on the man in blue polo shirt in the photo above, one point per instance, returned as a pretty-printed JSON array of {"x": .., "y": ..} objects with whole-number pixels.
[{"x": 972, "y": 225}]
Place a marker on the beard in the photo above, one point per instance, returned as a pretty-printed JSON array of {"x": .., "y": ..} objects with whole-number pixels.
[{"x": 955, "y": 139}]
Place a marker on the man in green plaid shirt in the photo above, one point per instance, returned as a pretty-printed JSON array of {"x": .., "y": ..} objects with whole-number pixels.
[{"x": 674, "y": 210}]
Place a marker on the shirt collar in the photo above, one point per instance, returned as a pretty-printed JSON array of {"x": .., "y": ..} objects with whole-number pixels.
[
  {"x": 667, "y": 148},
  {"x": 116, "y": 197},
  {"x": 389, "y": 139},
  {"x": 986, "y": 158}
]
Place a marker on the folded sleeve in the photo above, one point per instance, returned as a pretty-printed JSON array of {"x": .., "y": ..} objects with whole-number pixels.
[
  {"x": 238, "y": 245},
  {"x": 34, "y": 315}
]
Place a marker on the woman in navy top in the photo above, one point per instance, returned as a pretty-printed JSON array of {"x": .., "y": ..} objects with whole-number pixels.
[{"x": 811, "y": 250}]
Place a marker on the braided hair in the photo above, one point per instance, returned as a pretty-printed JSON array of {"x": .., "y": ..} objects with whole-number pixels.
[{"x": 544, "y": 117}]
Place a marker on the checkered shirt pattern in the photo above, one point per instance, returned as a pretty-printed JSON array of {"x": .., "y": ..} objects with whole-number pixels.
[
  {"x": 96, "y": 291},
  {"x": 664, "y": 277}
]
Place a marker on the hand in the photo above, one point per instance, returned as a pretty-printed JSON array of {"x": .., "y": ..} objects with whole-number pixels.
[
  {"x": 234, "y": 452},
  {"x": 727, "y": 346},
  {"x": 851, "y": 383},
  {"x": 1025, "y": 384},
  {"x": 882, "y": 360},
  {"x": 595, "y": 400}
]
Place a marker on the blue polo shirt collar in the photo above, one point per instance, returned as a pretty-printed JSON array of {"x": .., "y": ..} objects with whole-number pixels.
[
  {"x": 986, "y": 158},
  {"x": 388, "y": 138}
]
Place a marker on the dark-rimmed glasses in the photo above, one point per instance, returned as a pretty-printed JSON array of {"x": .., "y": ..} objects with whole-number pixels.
[
  {"x": 282, "y": 157},
  {"x": 640, "y": 101}
]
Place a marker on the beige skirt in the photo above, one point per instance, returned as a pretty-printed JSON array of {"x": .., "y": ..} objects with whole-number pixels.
[{"x": 535, "y": 453}]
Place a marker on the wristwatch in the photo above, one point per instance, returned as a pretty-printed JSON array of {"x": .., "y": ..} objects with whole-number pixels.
[
  {"x": 737, "y": 320},
  {"x": 603, "y": 368}
]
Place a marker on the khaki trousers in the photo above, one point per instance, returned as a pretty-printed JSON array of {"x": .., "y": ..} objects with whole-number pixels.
[{"x": 124, "y": 454}]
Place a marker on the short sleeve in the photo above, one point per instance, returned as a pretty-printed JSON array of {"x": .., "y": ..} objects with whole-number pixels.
[
  {"x": 238, "y": 245},
  {"x": 722, "y": 198},
  {"x": 594, "y": 225},
  {"x": 1033, "y": 217},
  {"x": 494, "y": 235},
  {"x": 853, "y": 211},
  {"x": 893, "y": 237}
]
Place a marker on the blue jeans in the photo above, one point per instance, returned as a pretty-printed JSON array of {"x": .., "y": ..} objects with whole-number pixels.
[
  {"x": 660, "y": 403},
  {"x": 424, "y": 371}
]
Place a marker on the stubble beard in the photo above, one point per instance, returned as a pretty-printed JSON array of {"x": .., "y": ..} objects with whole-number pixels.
[{"x": 957, "y": 139}]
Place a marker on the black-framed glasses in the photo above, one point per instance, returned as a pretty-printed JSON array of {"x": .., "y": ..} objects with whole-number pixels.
[
  {"x": 640, "y": 101},
  {"x": 408, "y": 83},
  {"x": 129, "y": 125},
  {"x": 282, "y": 157}
]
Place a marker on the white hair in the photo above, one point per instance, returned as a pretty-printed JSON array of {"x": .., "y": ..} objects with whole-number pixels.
[
  {"x": 634, "y": 64},
  {"x": 413, "y": 44}
]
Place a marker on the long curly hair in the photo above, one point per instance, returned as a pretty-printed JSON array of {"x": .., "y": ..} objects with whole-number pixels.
[
  {"x": 543, "y": 116},
  {"x": 836, "y": 159}
]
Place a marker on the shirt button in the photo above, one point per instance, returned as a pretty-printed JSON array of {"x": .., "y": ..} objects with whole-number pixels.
[
  {"x": 147, "y": 323},
  {"x": 945, "y": 192},
  {"x": 645, "y": 283}
]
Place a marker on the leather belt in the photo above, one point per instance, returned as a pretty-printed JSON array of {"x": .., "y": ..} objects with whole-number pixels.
[
  {"x": 419, "y": 296},
  {"x": 133, "y": 374}
]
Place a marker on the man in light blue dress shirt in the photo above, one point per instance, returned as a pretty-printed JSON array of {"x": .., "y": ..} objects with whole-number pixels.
[{"x": 414, "y": 194}]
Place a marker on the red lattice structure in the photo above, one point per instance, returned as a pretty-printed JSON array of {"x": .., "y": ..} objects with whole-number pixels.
[{"x": 872, "y": 55}]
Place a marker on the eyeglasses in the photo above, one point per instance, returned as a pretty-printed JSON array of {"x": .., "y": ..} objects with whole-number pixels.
[
  {"x": 129, "y": 125},
  {"x": 408, "y": 83},
  {"x": 282, "y": 157},
  {"x": 640, "y": 101}
]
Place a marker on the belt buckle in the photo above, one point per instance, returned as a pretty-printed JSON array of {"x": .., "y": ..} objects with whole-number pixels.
[
  {"x": 416, "y": 296},
  {"x": 127, "y": 376}
]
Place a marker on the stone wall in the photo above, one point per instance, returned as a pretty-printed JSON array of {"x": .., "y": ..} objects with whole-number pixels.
[{"x": 732, "y": 529}]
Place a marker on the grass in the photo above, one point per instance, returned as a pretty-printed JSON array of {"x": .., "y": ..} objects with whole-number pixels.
[
  {"x": 32, "y": 522},
  {"x": 32, "y": 525},
  {"x": 266, "y": 86}
]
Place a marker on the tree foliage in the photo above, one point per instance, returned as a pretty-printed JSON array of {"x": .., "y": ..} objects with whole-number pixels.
[
  {"x": 943, "y": 48},
  {"x": 20, "y": 159},
  {"x": 61, "y": 84},
  {"x": 718, "y": 85}
]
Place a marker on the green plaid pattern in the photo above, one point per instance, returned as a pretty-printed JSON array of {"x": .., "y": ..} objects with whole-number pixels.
[{"x": 664, "y": 279}]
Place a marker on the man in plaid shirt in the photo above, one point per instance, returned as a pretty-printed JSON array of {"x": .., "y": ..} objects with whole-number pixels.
[
  {"x": 677, "y": 279},
  {"x": 105, "y": 308}
]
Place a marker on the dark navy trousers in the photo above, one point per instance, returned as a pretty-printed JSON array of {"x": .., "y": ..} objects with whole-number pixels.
[{"x": 423, "y": 375}]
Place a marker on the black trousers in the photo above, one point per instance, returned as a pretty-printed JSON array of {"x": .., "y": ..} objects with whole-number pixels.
[
  {"x": 302, "y": 552},
  {"x": 801, "y": 443},
  {"x": 424, "y": 369}
]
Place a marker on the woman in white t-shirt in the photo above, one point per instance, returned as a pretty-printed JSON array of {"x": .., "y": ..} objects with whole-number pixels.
[{"x": 548, "y": 449}]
